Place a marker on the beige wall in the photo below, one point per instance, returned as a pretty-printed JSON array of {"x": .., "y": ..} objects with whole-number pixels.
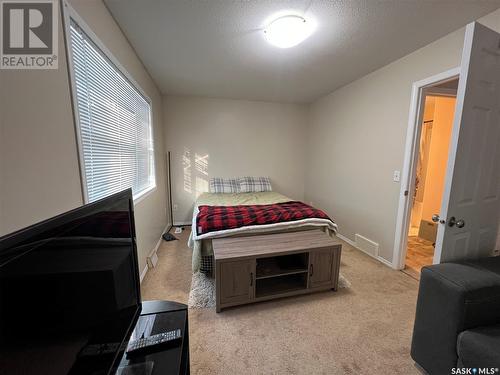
[
  {"x": 444, "y": 109},
  {"x": 357, "y": 137},
  {"x": 240, "y": 138},
  {"x": 39, "y": 175},
  {"x": 39, "y": 158}
]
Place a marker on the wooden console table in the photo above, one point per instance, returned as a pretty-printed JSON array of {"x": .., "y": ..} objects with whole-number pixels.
[{"x": 258, "y": 268}]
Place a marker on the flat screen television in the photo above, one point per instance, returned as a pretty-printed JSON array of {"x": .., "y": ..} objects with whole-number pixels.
[{"x": 70, "y": 291}]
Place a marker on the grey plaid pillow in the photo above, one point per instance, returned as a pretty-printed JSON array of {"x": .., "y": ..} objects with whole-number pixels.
[
  {"x": 255, "y": 184},
  {"x": 224, "y": 185}
]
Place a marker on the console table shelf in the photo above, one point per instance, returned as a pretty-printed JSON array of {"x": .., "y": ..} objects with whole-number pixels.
[
  {"x": 281, "y": 265},
  {"x": 281, "y": 284},
  {"x": 280, "y": 273}
]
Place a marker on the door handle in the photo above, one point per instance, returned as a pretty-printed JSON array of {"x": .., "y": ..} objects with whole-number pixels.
[
  {"x": 311, "y": 270},
  {"x": 437, "y": 219},
  {"x": 251, "y": 278},
  {"x": 453, "y": 221}
]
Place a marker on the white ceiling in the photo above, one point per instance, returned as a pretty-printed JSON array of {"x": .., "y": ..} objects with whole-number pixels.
[{"x": 216, "y": 48}]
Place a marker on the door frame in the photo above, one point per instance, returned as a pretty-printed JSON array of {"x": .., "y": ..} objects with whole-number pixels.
[{"x": 419, "y": 90}]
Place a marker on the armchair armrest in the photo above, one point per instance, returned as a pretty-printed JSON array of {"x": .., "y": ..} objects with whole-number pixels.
[{"x": 453, "y": 297}]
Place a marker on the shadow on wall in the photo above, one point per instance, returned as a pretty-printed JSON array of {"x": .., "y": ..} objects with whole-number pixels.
[{"x": 195, "y": 180}]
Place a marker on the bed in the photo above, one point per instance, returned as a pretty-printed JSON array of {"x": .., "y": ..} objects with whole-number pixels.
[{"x": 201, "y": 242}]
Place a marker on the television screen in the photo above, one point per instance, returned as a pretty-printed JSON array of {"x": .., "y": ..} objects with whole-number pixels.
[{"x": 69, "y": 291}]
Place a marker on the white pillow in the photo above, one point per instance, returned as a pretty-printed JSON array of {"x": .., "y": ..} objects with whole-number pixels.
[
  {"x": 254, "y": 184},
  {"x": 224, "y": 185}
]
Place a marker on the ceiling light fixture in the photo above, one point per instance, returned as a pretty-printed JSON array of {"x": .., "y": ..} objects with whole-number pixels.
[{"x": 288, "y": 31}]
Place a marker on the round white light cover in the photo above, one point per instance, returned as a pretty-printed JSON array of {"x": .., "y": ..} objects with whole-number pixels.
[{"x": 288, "y": 31}]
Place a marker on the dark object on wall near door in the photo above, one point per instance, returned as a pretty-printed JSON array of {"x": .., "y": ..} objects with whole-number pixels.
[
  {"x": 457, "y": 323},
  {"x": 427, "y": 230}
]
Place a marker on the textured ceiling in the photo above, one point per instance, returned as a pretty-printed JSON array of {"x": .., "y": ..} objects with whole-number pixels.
[{"x": 216, "y": 48}]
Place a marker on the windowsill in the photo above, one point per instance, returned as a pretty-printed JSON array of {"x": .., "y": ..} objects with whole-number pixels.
[{"x": 144, "y": 194}]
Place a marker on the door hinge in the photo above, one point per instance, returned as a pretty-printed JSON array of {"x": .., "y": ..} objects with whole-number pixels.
[{"x": 406, "y": 193}]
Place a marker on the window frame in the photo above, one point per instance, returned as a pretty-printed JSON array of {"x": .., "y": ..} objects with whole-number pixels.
[{"x": 69, "y": 14}]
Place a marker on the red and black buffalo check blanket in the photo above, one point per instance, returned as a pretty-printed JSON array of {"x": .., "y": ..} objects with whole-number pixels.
[{"x": 217, "y": 218}]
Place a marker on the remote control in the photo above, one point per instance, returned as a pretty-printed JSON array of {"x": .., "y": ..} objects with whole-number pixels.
[{"x": 153, "y": 342}]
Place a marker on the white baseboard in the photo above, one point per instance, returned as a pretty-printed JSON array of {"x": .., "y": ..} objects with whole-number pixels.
[
  {"x": 343, "y": 238},
  {"x": 353, "y": 244},
  {"x": 182, "y": 223},
  {"x": 152, "y": 258}
]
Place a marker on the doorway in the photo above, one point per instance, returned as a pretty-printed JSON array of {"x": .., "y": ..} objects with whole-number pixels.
[
  {"x": 468, "y": 221},
  {"x": 432, "y": 149}
]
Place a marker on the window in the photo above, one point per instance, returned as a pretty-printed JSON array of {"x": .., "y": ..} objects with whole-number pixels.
[{"x": 114, "y": 123}]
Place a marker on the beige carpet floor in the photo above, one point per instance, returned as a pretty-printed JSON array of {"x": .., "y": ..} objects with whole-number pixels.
[{"x": 365, "y": 329}]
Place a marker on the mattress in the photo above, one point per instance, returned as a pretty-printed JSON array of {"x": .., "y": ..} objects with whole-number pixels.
[{"x": 202, "y": 245}]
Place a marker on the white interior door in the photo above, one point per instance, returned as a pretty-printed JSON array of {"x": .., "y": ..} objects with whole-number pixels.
[{"x": 468, "y": 221}]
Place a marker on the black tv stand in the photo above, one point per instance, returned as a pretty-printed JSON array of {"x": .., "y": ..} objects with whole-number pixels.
[{"x": 168, "y": 316}]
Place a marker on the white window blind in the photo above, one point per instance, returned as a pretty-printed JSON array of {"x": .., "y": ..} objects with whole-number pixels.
[{"x": 114, "y": 123}]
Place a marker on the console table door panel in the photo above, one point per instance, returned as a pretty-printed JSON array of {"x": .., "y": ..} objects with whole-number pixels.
[
  {"x": 320, "y": 268},
  {"x": 237, "y": 281}
]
